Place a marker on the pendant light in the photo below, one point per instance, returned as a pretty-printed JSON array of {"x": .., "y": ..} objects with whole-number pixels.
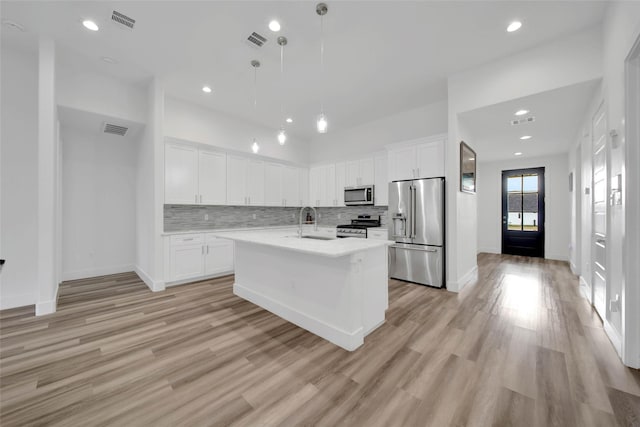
[
  {"x": 322, "y": 123},
  {"x": 255, "y": 64},
  {"x": 282, "y": 135}
]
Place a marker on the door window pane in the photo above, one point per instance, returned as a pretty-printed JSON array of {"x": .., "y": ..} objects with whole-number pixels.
[
  {"x": 530, "y": 183},
  {"x": 522, "y": 203},
  {"x": 514, "y": 183}
]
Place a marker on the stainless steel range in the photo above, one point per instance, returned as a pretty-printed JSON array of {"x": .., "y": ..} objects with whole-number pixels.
[{"x": 358, "y": 227}]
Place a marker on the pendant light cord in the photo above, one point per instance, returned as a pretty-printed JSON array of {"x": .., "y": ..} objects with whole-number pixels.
[
  {"x": 282, "y": 82},
  {"x": 255, "y": 88},
  {"x": 322, "y": 63}
]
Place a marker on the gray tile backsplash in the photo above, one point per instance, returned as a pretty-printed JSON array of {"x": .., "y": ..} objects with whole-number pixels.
[{"x": 192, "y": 217}]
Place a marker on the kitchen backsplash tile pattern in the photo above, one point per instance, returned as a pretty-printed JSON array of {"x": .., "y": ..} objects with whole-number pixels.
[{"x": 192, "y": 217}]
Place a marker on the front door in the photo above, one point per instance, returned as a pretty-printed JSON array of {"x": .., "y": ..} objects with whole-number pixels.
[{"x": 523, "y": 212}]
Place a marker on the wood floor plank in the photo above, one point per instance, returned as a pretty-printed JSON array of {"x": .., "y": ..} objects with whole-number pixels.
[{"x": 519, "y": 346}]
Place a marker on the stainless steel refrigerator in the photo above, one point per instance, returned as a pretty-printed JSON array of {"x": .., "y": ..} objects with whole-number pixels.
[{"x": 416, "y": 224}]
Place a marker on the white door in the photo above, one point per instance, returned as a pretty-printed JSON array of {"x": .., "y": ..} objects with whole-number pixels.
[
  {"x": 212, "y": 182},
  {"x": 340, "y": 182},
  {"x": 430, "y": 160},
  {"x": 186, "y": 261},
  {"x": 291, "y": 186},
  {"x": 352, "y": 174},
  {"x": 402, "y": 164},
  {"x": 180, "y": 175},
  {"x": 273, "y": 183},
  {"x": 599, "y": 221},
  {"x": 218, "y": 256},
  {"x": 236, "y": 180},
  {"x": 330, "y": 186},
  {"x": 381, "y": 187},
  {"x": 366, "y": 171},
  {"x": 255, "y": 182}
]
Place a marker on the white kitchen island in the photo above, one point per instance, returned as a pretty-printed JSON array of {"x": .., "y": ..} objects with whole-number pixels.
[{"x": 336, "y": 289}]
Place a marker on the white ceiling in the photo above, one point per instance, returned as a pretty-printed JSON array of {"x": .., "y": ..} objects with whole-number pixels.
[
  {"x": 558, "y": 116},
  {"x": 381, "y": 57}
]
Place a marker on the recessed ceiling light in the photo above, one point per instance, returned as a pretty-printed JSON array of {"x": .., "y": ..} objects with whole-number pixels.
[
  {"x": 521, "y": 112},
  {"x": 514, "y": 26},
  {"x": 206, "y": 89},
  {"x": 109, "y": 60},
  {"x": 274, "y": 26},
  {"x": 525, "y": 137},
  {"x": 90, "y": 25},
  {"x": 289, "y": 120},
  {"x": 517, "y": 154},
  {"x": 13, "y": 25}
]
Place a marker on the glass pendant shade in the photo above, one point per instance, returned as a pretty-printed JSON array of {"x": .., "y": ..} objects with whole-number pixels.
[
  {"x": 282, "y": 137},
  {"x": 255, "y": 147},
  {"x": 322, "y": 123}
]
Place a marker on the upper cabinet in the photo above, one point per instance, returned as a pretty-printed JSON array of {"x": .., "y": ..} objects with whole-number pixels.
[
  {"x": 273, "y": 184},
  {"x": 419, "y": 160},
  {"x": 322, "y": 186},
  {"x": 236, "y": 180},
  {"x": 291, "y": 186},
  {"x": 359, "y": 172},
  {"x": 255, "y": 182},
  {"x": 194, "y": 176},
  {"x": 381, "y": 189}
]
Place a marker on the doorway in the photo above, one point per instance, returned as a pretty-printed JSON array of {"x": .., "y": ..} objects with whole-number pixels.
[{"x": 523, "y": 212}]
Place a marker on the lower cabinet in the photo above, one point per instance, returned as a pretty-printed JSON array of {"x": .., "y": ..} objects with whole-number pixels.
[
  {"x": 377, "y": 234},
  {"x": 194, "y": 256}
]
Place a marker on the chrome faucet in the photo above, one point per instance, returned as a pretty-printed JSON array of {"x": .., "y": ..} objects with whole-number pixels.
[{"x": 315, "y": 220}]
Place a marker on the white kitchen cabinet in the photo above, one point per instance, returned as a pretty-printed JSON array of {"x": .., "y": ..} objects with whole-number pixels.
[
  {"x": 218, "y": 256},
  {"x": 330, "y": 186},
  {"x": 359, "y": 172},
  {"x": 186, "y": 257},
  {"x": 381, "y": 188},
  {"x": 273, "y": 183},
  {"x": 420, "y": 160},
  {"x": 291, "y": 186},
  {"x": 323, "y": 185},
  {"x": 377, "y": 234},
  {"x": 305, "y": 199},
  {"x": 212, "y": 178},
  {"x": 255, "y": 182},
  {"x": 236, "y": 180},
  {"x": 341, "y": 179},
  {"x": 181, "y": 174}
]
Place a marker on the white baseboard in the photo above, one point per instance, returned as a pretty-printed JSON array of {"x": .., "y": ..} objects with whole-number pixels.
[
  {"x": 15, "y": 301},
  {"x": 584, "y": 289},
  {"x": 614, "y": 337},
  {"x": 347, "y": 340},
  {"x": 95, "y": 272},
  {"x": 574, "y": 269},
  {"x": 197, "y": 279},
  {"x": 155, "y": 286},
  {"x": 557, "y": 257},
  {"x": 48, "y": 307},
  {"x": 457, "y": 286},
  {"x": 489, "y": 250}
]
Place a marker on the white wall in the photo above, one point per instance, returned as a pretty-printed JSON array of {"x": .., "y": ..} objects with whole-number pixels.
[
  {"x": 191, "y": 122},
  {"x": 557, "y": 203},
  {"x": 99, "y": 93},
  {"x": 564, "y": 62},
  {"x": 370, "y": 137},
  {"x": 19, "y": 178},
  {"x": 98, "y": 204}
]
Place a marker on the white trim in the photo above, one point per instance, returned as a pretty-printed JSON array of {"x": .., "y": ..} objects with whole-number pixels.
[
  {"x": 584, "y": 289},
  {"x": 422, "y": 140},
  {"x": 556, "y": 257},
  {"x": 614, "y": 337},
  {"x": 48, "y": 307},
  {"x": 198, "y": 279},
  {"x": 104, "y": 271},
  {"x": 489, "y": 250},
  {"x": 457, "y": 286},
  {"x": 574, "y": 269},
  {"x": 15, "y": 301},
  {"x": 155, "y": 286},
  {"x": 347, "y": 340}
]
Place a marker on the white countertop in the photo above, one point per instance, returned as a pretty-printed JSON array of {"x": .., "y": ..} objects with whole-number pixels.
[
  {"x": 218, "y": 230},
  {"x": 288, "y": 239}
]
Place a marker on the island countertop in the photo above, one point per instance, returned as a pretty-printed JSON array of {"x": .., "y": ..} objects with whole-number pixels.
[{"x": 288, "y": 239}]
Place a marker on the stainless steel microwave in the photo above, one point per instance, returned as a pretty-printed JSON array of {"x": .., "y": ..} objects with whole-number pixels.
[{"x": 355, "y": 196}]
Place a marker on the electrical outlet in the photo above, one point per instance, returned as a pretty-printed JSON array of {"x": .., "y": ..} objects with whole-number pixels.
[{"x": 206, "y": 217}]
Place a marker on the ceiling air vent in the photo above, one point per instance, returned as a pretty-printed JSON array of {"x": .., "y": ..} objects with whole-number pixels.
[
  {"x": 529, "y": 119},
  {"x": 115, "y": 129},
  {"x": 256, "y": 40},
  {"x": 123, "y": 19}
]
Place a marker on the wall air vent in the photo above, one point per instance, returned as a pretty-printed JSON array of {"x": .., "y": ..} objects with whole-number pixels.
[
  {"x": 256, "y": 40},
  {"x": 123, "y": 19},
  {"x": 529, "y": 119},
  {"x": 114, "y": 129}
]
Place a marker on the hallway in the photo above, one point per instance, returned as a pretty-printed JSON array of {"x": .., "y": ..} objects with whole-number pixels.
[{"x": 519, "y": 347}]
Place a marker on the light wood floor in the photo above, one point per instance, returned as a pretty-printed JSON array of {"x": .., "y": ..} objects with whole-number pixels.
[{"x": 520, "y": 347}]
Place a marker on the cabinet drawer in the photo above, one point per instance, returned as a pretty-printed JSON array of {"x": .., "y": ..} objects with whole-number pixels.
[
  {"x": 377, "y": 234},
  {"x": 187, "y": 239}
]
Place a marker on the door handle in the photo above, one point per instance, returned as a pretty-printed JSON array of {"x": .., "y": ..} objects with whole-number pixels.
[{"x": 413, "y": 207}]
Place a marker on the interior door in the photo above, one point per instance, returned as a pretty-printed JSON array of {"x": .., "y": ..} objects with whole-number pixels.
[
  {"x": 599, "y": 211},
  {"x": 523, "y": 212}
]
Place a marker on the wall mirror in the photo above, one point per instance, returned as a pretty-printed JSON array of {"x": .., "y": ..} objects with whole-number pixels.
[{"x": 467, "y": 168}]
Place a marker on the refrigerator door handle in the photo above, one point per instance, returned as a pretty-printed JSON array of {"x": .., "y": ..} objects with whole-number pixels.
[{"x": 413, "y": 212}]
